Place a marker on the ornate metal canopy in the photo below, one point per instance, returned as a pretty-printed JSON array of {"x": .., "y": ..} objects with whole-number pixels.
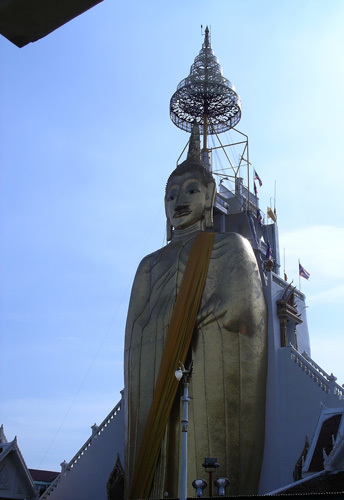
[{"x": 205, "y": 96}]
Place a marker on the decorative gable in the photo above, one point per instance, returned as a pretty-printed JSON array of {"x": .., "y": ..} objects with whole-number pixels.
[{"x": 15, "y": 480}]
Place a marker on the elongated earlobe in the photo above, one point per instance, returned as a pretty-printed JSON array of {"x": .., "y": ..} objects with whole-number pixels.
[
  {"x": 168, "y": 230},
  {"x": 208, "y": 212},
  {"x": 168, "y": 224},
  {"x": 208, "y": 218}
]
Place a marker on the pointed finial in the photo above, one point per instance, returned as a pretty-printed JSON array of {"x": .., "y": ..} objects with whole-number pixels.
[
  {"x": 206, "y": 38},
  {"x": 194, "y": 152},
  {"x": 2, "y": 435}
]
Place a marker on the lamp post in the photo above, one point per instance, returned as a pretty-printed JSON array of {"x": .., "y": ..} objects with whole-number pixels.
[
  {"x": 210, "y": 465},
  {"x": 184, "y": 374}
]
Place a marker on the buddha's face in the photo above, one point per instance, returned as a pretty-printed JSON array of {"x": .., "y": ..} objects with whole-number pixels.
[{"x": 185, "y": 199}]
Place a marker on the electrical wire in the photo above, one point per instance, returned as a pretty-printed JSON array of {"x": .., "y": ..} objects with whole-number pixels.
[{"x": 119, "y": 306}]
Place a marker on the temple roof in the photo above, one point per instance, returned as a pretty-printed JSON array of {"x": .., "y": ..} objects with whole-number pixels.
[
  {"x": 3, "y": 438},
  {"x": 325, "y": 482},
  {"x": 326, "y": 451},
  {"x": 11, "y": 457},
  {"x": 46, "y": 476}
]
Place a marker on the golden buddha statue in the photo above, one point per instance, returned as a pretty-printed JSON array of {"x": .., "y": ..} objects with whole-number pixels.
[{"x": 228, "y": 348}]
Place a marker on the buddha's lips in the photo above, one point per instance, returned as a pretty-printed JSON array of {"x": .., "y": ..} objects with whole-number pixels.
[{"x": 181, "y": 213}]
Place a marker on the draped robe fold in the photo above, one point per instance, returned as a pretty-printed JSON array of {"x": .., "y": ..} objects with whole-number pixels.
[{"x": 228, "y": 349}]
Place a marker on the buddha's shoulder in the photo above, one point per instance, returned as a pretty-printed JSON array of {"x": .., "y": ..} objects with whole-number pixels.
[
  {"x": 223, "y": 242},
  {"x": 233, "y": 241},
  {"x": 150, "y": 260},
  {"x": 236, "y": 251}
]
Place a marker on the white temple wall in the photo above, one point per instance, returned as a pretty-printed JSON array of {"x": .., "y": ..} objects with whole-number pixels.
[
  {"x": 293, "y": 397},
  {"x": 87, "y": 478},
  {"x": 272, "y": 444},
  {"x": 302, "y": 329},
  {"x": 293, "y": 407}
]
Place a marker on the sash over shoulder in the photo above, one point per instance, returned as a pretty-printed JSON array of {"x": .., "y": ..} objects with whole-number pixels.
[{"x": 176, "y": 348}]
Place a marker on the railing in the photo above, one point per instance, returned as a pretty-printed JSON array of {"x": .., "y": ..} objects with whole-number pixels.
[
  {"x": 325, "y": 381},
  {"x": 220, "y": 200},
  {"x": 96, "y": 431}
]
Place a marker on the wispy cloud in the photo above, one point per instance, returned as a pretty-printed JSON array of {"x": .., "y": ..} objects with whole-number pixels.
[{"x": 331, "y": 295}]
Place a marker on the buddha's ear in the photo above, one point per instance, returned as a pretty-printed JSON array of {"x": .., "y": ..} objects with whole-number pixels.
[
  {"x": 168, "y": 225},
  {"x": 168, "y": 230},
  {"x": 209, "y": 205},
  {"x": 165, "y": 203}
]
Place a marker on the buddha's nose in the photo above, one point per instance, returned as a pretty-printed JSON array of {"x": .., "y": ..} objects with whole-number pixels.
[
  {"x": 181, "y": 206},
  {"x": 182, "y": 199}
]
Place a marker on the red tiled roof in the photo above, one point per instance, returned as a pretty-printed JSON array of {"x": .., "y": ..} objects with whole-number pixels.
[{"x": 46, "y": 476}]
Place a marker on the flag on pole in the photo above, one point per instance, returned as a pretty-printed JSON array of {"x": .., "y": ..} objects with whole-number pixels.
[
  {"x": 303, "y": 273},
  {"x": 268, "y": 255},
  {"x": 255, "y": 189},
  {"x": 256, "y": 177},
  {"x": 259, "y": 217}
]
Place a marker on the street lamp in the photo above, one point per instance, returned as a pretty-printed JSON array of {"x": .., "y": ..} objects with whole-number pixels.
[
  {"x": 199, "y": 485},
  {"x": 221, "y": 483},
  {"x": 184, "y": 374},
  {"x": 210, "y": 465}
]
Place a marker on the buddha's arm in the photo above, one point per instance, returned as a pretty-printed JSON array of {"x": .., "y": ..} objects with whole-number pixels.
[
  {"x": 246, "y": 303},
  {"x": 139, "y": 298}
]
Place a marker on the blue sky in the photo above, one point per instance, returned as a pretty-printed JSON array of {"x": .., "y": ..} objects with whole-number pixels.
[{"x": 86, "y": 147}]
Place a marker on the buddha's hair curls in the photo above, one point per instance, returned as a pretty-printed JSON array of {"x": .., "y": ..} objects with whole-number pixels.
[{"x": 193, "y": 166}]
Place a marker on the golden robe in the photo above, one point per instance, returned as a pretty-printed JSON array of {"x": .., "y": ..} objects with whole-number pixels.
[{"x": 228, "y": 349}]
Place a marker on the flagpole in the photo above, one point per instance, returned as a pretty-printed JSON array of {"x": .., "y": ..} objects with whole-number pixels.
[{"x": 299, "y": 277}]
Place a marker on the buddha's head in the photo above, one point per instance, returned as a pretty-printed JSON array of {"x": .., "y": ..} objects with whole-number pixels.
[{"x": 190, "y": 192}]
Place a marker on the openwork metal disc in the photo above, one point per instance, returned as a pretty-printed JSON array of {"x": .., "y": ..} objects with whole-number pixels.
[{"x": 205, "y": 92}]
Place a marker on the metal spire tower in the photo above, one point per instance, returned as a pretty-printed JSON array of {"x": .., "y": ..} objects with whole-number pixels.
[{"x": 205, "y": 97}]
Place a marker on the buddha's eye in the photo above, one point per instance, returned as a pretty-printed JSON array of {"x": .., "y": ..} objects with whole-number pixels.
[
  {"x": 193, "y": 191},
  {"x": 171, "y": 197}
]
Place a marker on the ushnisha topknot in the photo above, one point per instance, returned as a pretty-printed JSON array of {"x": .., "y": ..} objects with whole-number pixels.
[
  {"x": 193, "y": 161},
  {"x": 187, "y": 166}
]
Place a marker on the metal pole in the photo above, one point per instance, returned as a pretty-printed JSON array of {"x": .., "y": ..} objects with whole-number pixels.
[
  {"x": 248, "y": 168},
  {"x": 205, "y": 131},
  {"x": 210, "y": 483},
  {"x": 184, "y": 460}
]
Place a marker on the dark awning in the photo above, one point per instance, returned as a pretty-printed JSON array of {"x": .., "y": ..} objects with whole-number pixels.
[{"x": 25, "y": 21}]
